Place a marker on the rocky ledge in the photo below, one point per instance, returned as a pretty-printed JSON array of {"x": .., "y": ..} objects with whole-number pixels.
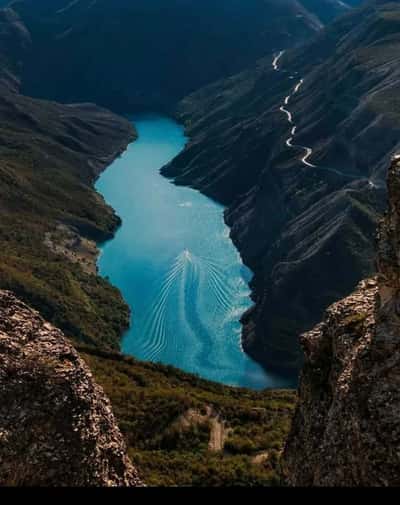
[
  {"x": 346, "y": 429},
  {"x": 56, "y": 424}
]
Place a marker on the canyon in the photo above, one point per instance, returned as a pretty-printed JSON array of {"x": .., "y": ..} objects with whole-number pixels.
[
  {"x": 40, "y": 40},
  {"x": 67, "y": 142},
  {"x": 292, "y": 130}
]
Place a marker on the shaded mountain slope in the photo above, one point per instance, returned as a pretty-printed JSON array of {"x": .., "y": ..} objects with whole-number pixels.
[
  {"x": 329, "y": 9},
  {"x": 15, "y": 44},
  {"x": 138, "y": 54},
  {"x": 50, "y": 155},
  {"x": 306, "y": 229}
]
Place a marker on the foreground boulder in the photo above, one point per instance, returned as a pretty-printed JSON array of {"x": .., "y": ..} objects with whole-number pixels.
[
  {"x": 56, "y": 424},
  {"x": 346, "y": 430}
]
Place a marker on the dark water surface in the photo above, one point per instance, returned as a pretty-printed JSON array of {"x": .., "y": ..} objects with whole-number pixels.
[{"x": 174, "y": 263}]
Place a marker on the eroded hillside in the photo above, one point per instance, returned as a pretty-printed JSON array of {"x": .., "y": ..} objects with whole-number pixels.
[
  {"x": 298, "y": 151},
  {"x": 130, "y": 55}
]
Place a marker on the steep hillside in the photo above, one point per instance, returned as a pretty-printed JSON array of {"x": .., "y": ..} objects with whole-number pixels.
[
  {"x": 50, "y": 155},
  {"x": 302, "y": 217},
  {"x": 130, "y": 54},
  {"x": 346, "y": 431},
  {"x": 15, "y": 44}
]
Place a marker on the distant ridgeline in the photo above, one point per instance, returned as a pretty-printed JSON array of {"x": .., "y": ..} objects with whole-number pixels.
[{"x": 139, "y": 54}]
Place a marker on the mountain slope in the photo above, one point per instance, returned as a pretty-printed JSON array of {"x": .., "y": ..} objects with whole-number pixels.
[
  {"x": 50, "y": 155},
  {"x": 305, "y": 227},
  {"x": 132, "y": 54},
  {"x": 329, "y": 9}
]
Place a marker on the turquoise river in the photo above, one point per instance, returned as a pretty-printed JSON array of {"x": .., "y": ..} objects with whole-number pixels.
[{"x": 176, "y": 266}]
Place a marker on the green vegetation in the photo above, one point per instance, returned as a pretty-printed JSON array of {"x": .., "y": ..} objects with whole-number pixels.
[
  {"x": 84, "y": 306},
  {"x": 49, "y": 157},
  {"x": 149, "y": 401}
]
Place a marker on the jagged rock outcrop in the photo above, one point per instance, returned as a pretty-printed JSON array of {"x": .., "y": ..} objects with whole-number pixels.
[
  {"x": 56, "y": 424},
  {"x": 346, "y": 429}
]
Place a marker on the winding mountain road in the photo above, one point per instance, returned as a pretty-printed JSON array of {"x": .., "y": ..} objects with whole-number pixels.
[
  {"x": 289, "y": 141},
  {"x": 276, "y": 60}
]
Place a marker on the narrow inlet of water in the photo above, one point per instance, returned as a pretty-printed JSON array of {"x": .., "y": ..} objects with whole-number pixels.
[{"x": 176, "y": 266}]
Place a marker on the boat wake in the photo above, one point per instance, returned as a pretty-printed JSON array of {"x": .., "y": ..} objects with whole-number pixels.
[{"x": 203, "y": 293}]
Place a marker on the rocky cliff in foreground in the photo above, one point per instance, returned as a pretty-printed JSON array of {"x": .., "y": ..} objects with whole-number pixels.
[
  {"x": 346, "y": 430},
  {"x": 56, "y": 424}
]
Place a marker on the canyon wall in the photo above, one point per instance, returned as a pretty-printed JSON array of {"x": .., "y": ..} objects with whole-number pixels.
[
  {"x": 305, "y": 229},
  {"x": 51, "y": 154},
  {"x": 346, "y": 427}
]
